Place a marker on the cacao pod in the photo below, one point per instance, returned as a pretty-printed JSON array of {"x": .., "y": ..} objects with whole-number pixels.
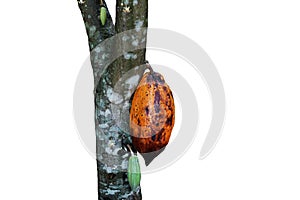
[{"x": 152, "y": 116}]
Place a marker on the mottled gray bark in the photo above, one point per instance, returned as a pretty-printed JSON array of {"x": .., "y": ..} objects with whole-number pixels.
[
  {"x": 90, "y": 10},
  {"x": 114, "y": 86}
]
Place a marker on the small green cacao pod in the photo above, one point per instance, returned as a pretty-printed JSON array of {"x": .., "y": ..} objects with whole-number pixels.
[
  {"x": 103, "y": 15},
  {"x": 134, "y": 172}
]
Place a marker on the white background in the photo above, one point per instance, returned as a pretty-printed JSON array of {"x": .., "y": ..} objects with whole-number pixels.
[{"x": 255, "y": 46}]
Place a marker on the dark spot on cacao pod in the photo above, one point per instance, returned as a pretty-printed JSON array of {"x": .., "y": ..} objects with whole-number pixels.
[
  {"x": 147, "y": 110},
  {"x": 169, "y": 120},
  {"x": 160, "y": 134},
  {"x": 153, "y": 137}
]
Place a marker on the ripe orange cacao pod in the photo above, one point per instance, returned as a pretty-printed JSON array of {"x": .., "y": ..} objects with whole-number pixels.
[{"x": 152, "y": 115}]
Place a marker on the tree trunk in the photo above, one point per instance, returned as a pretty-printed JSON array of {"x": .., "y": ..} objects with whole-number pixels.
[{"x": 114, "y": 86}]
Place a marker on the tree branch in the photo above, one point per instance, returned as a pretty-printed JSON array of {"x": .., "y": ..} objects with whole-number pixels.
[{"x": 90, "y": 10}]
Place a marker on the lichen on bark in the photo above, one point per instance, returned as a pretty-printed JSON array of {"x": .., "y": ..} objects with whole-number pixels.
[{"x": 114, "y": 84}]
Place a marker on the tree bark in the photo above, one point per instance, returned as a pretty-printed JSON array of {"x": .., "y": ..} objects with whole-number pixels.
[{"x": 114, "y": 86}]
